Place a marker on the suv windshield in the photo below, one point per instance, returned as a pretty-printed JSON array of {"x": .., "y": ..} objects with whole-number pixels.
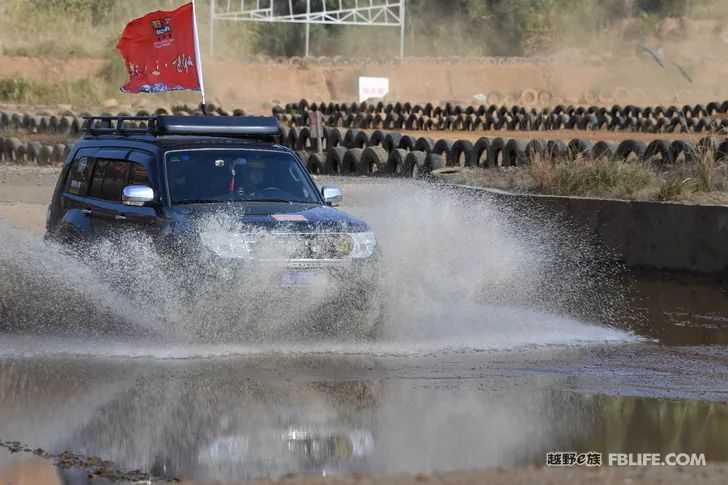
[{"x": 237, "y": 175}]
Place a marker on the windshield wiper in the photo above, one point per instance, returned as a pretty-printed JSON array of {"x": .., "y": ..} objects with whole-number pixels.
[
  {"x": 199, "y": 201},
  {"x": 271, "y": 200}
]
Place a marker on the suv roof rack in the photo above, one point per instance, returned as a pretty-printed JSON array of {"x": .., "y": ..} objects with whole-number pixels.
[{"x": 264, "y": 128}]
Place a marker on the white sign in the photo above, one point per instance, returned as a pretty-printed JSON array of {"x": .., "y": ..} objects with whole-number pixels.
[{"x": 373, "y": 87}]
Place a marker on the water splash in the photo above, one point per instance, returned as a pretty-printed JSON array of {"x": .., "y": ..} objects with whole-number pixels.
[{"x": 457, "y": 274}]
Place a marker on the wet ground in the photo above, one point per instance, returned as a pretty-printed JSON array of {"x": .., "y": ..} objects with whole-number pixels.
[{"x": 554, "y": 355}]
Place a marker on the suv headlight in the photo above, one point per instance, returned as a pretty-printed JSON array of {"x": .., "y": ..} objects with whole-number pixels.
[{"x": 364, "y": 244}]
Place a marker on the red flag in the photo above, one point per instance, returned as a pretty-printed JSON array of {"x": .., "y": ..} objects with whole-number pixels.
[{"x": 160, "y": 51}]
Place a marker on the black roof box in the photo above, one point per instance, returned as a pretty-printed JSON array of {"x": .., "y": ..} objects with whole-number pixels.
[
  {"x": 250, "y": 127},
  {"x": 245, "y": 126}
]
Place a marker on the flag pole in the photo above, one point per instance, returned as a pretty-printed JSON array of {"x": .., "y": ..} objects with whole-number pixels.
[{"x": 199, "y": 59}]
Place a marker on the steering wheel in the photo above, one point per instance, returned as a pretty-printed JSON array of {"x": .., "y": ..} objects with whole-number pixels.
[{"x": 286, "y": 195}]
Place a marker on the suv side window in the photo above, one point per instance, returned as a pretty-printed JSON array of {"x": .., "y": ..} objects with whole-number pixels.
[
  {"x": 79, "y": 176},
  {"x": 109, "y": 179},
  {"x": 138, "y": 175},
  {"x": 98, "y": 181},
  {"x": 115, "y": 180}
]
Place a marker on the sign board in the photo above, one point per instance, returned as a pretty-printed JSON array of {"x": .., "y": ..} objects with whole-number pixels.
[{"x": 373, "y": 87}]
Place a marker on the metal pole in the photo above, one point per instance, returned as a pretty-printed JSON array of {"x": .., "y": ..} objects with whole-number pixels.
[
  {"x": 308, "y": 25},
  {"x": 401, "y": 32},
  {"x": 212, "y": 28}
]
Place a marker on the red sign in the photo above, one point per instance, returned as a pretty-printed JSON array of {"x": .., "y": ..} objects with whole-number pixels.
[{"x": 160, "y": 52}]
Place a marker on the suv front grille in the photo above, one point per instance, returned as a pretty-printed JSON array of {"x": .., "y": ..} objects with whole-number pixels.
[{"x": 293, "y": 246}]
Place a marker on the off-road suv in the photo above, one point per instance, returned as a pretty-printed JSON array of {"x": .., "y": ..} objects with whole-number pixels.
[{"x": 217, "y": 193}]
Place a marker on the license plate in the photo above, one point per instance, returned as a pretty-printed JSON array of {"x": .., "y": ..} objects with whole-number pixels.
[{"x": 302, "y": 278}]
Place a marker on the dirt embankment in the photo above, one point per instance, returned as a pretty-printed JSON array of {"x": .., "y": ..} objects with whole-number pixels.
[{"x": 255, "y": 85}]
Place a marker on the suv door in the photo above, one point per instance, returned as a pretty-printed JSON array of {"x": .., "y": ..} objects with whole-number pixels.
[
  {"x": 71, "y": 217},
  {"x": 104, "y": 195},
  {"x": 110, "y": 216},
  {"x": 140, "y": 219}
]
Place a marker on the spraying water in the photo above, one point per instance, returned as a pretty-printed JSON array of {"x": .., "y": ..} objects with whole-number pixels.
[{"x": 456, "y": 274}]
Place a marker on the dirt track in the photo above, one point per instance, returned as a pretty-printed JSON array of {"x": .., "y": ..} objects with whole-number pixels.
[{"x": 255, "y": 86}]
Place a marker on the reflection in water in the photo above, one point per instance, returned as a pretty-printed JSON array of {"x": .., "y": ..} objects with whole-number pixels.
[{"x": 233, "y": 419}]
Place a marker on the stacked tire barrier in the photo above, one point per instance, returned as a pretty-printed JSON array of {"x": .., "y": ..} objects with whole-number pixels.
[
  {"x": 15, "y": 151},
  {"x": 452, "y": 117},
  {"x": 70, "y": 124},
  {"x": 357, "y": 152},
  {"x": 64, "y": 127}
]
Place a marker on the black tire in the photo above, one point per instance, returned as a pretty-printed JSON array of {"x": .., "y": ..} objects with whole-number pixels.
[
  {"x": 395, "y": 162},
  {"x": 434, "y": 161},
  {"x": 580, "y": 148},
  {"x": 59, "y": 153},
  {"x": 535, "y": 149},
  {"x": 496, "y": 156},
  {"x": 461, "y": 154},
  {"x": 34, "y": 149},
  {"x": 361, "y": 140},
  {"x": 589, "y": 122},
  {"x": 682, "y": 150},
  {"x": 443, "y": 148},
  {"x": 411, "y": 123},
  {"x": 556, "y": 150},
  {"x": 479, "y": 153},
  {"x": 373, "y": 159},
  {"x": 628, "y": 148},
  {"x": 303, "y": 140},
  {"x": 349, "y": 136},
  {"x": 391, "y": 141},
  {"x": 376, "y": 139},
  {"x": 424, "y": 144},
  {"x": 334, "y": 160},
  {"x": 352, "y": 160},
  {"x": 721, "y": 154},
  {"x": 707, "y": 144},
  {"x": 407, "y": 143},
  {"x": 316, "y": 163},
  {"x": 20, "y": 151},
  {"x": 293, "y": 137},
  {"x": 393, "y": 121},
  {"x": 335, "y": 138},
  {"x": 658, "y": 152},
  {"x": 414, "y": 163},
  {"x": 45, "y": 155},
  {"x": 515, "y": 152}
]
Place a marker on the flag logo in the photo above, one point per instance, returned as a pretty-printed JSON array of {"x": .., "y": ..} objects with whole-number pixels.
[{"x": 161, "y": 52}]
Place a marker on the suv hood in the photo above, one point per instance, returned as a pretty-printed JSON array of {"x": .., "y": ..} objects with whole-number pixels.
[{"x": 272, "y": 216}]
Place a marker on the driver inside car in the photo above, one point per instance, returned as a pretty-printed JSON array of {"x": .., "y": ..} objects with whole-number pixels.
[{"x": 248, "y": 176}]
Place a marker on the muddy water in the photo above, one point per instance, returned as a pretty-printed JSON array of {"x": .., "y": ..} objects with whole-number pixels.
[
  {"x": 503, "y": 341},
  {"x": 242, "y": 417}
]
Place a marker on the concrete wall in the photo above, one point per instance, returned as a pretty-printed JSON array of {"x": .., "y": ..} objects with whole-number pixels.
[{"x": 649, "y": 235}]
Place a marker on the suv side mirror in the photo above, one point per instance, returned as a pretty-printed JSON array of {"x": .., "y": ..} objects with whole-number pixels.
[
  {"x": 332, "y": 195},
  {"x": 137, "y": 195}
]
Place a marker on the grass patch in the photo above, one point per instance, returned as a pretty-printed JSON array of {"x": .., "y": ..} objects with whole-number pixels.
[
  {"x": 29, "y": 91},
  {"x": 700, "y": 180},
  {"x": 600, "y": 178}
]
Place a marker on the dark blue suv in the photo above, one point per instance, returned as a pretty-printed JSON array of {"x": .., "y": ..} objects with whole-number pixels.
[{"x": 218, "y": 193}]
